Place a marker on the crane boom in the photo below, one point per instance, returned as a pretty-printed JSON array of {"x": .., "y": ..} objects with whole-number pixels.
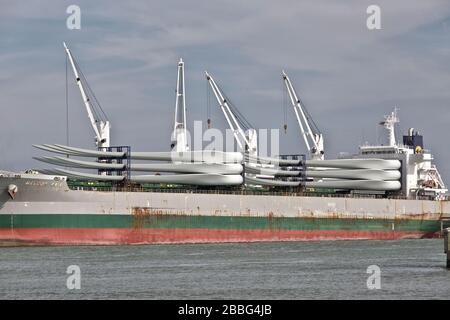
[
  {"x": 262, "y": 169},
  {"x": 315, "y": 142},
  {"x": 101, "y": 128},
  {"x": 238, "y": 133},
  {"x": 179, "y": 137}
]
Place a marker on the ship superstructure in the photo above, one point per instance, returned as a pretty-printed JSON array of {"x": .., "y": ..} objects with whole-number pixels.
[{"x": 420, "y": 177}]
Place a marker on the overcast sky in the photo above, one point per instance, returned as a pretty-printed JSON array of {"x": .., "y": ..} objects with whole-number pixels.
[{"x": 348, "y": 76}]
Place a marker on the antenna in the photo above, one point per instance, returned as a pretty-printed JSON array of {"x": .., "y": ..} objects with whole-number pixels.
[{"x": 389, "y": 124}]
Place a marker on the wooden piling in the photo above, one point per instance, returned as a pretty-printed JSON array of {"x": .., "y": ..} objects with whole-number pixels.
[{"x": 446, "y": 245}]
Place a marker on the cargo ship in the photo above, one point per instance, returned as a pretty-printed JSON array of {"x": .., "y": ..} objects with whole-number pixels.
[{"x": 390, "y": 191}]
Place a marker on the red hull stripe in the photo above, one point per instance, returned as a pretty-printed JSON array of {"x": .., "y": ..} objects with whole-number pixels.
[{"x": 118, "y": 236}]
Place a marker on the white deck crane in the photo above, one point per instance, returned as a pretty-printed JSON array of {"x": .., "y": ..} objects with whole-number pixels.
[
  {"x": 101, "y": 126},
  {"x": 247, "y": 141},
  {"x": 179, "y": 135},
  {"x": 313, "y": 139}
]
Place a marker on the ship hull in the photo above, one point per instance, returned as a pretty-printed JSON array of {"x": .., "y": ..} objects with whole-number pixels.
[
  {"x": 47, "y": 212},
  {"x": 42, "y": 236},
  {"x": 85, "y": 229}
]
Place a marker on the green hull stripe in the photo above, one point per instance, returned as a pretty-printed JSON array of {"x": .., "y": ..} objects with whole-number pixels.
[{"x": 210, "y": 222}]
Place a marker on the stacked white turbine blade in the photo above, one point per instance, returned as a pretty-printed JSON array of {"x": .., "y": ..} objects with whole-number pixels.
[
  {"x": 207, "y": 168},
  {"x": 354, "y": 174}
]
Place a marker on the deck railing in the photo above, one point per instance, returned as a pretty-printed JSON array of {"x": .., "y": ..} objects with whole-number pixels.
[{"x": 299, "y": 193}]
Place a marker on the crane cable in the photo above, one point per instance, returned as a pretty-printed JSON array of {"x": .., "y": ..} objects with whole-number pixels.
[
  {"x": 208, "y": 105},
  {"x": 96, "y": 106},
  {"x": 243, "y": 122},
  {"x": 284, "y": 105},
  {"x": 308, "y": 116},
  {"x": 67, "y": 103}
]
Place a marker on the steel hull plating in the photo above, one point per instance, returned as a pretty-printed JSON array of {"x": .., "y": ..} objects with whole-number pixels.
[
  {"x": 108, "y": 236},
  {"x": 47, "y": 212}
]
